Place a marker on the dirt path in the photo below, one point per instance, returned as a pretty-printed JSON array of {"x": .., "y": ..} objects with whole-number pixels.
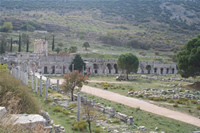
[
  {"x": 117, "y": 82},
  {"x": 96, "y": 81},
  {"x": 143, "y": 105},
  {"x": 133, "y": 102}
]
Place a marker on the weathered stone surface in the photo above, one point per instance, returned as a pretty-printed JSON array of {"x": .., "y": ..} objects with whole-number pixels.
[
  {"x": 29, "y": 121},
  {"x": 142, "y": 128},
  {"x": 3, "y": 112}
]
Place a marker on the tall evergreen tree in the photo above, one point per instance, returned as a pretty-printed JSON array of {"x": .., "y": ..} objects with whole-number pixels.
[
  {"x": 11, "y": 45},
  {"x": 19, "y": 48},
  {"x": 2, "y": 47},
  {"x": 78, "y": 63},
  {"x": 27, "y": 45},
  {"x": 53, "y": 44}
]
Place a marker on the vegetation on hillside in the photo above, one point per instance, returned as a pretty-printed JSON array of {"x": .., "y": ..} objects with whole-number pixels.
[
  {"x": 15, "y": 96},
  {"x": 156, "y": 24}
]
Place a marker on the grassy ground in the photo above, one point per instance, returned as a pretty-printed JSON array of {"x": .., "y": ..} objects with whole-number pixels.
[
  {"x": 188, "y": 106},
  {"x": 147, "y": 119}
]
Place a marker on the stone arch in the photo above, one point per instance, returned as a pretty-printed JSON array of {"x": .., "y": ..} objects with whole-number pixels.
[
  {"x": 173, "y": 70},
  {"x": 109, "y": 68},
  {"x": 148, "y": 67},
  {"x": 155, "y": 70},
  {"x": 116, "y": 68},
  {"x": 53, "y": 69},
  {"x": 167, "y": 71},
  {"x": 161, "y": 70},
  {"x": 96, "y": 67},
  {"x": 64, "y": 69},
  {"x": 45, "y": 70}
]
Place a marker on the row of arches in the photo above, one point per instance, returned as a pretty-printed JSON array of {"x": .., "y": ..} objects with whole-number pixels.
[
  {"x": 53, "y": 69},
  {"x": 108, "y": 67},
  {"x": 155, "y": 70}
]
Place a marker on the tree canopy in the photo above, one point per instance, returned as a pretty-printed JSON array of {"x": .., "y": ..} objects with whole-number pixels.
[
  {"x": 7, "y": 26},
  {"x": 78, "y": 63},
  {"x": 72, "y": 49},
  {"x": 128, "y": 63},
  {"x": 189, "y": 59},
  {"x": 86, "y": 45},
  {"x": 58, "y": 50},
  {"x": 71, "y": 80}
]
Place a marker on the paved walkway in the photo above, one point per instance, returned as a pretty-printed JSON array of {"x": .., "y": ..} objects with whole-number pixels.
[{"x": 143, "y": 105}]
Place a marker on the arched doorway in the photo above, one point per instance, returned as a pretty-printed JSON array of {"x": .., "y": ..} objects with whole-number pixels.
[
  {"x": 109, "y": 68},
  {"x": 45, "y": 70},
  {"x": 53, "y": 69},
  {"x": 116, "y": 69},
  {"x": 64, "y": 69},
  {"x": 172, "y": 70},
  {"x": 96, "y": 67},
  {"x": 167, "y": 71},
  {"x": 148, "y": 67},
  {"x": 155, "y": 70},
  {"x": 161, "y": 71}
]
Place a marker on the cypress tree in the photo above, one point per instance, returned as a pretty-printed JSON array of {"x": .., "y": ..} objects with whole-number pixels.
[
  {"x": 27, "y": 45},
  {"x": 19, "y": 49},
  {"x": 2, "y": 48},
  {"x": 11, "y": 45},
  {"x": 53, "y": 44}
]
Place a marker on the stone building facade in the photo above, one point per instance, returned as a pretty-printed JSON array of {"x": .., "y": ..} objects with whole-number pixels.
[{"x": 39, "y": 61}]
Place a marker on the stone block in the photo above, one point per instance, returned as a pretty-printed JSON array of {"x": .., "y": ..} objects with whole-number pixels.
[
  {"x": 3, "y": 112},
  {"x": 28, "y": 121}
]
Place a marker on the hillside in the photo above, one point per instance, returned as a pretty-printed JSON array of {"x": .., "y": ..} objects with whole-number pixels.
[{"x": 140, "y": 24}]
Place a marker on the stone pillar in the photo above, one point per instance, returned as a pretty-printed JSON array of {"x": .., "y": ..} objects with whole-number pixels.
[
  {"x": 46, "y": 94},
  {"x": 32, "y": 82},
  {"x": 72, "y": 67},
  {"x": 78, "y": 106},
  {"x": 27, "y": 78},
  {"x": 36, "y": 88},
  {"x": 55, "y": 70},
  {"x": 131, "y": 120},
  {"x": 57, "y": 84},
  {"x": 40, "y": 85},
  {"x": 49, "y": 82},
  {"x": 85, "y": 100},
  {"x": 62, "y": 69},
  {"x": 93, "y": 103}
]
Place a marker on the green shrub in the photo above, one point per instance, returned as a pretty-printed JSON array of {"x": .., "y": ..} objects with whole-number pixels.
[
  {"x": 175, "y": 105},
  {"x": 150, "y": 98},
  {"x": 194, "y": 101},
  {"x": 66, "y": 112},
  {"x": 170, "y": 101},
  {"x": 181, "y": 101},
  {"x": 140, "y": 95},
  {"x": 198, "y": 107},
  {"x": 79, "y": 125},
  {"x": 72, "y": 105},
  {"x": 182, "y": 90},
  {"x": 97, "y": 130},
  {"x": 116, "y": 120},
  {"x": 131, "y": 89},
  {"x": 57, "y": 109},
  {"x": 48, "y": 100}
]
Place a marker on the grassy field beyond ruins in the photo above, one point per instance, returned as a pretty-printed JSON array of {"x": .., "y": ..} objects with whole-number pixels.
[{"x": 155, "y": 31}]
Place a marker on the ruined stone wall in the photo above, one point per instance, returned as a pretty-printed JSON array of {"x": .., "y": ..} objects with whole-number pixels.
[{"x": 41, "y": 47}]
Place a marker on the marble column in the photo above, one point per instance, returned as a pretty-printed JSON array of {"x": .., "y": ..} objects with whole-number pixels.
[
  {"x": 78, "y": 107},
  {"x": 40, "y": 85}
]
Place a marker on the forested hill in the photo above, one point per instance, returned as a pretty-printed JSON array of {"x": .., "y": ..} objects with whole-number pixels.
[
  {"x": 155, "y": 22},
  {"x": 176, "y": 13}
]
